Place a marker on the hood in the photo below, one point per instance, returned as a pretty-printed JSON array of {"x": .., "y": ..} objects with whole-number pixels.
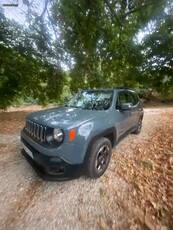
[{"x": 64, "y": 117}]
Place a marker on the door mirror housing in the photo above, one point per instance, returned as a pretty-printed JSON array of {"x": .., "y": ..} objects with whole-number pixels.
[{"x": 126, "y": 106}]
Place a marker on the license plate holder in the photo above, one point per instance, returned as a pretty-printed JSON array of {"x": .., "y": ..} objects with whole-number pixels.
[{"x": 27, "y": 151}]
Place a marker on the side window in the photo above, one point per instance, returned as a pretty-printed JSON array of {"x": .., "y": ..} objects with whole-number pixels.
[
  {"x": 123, "y": 97},
  {"x": 127, "y": 97},
  {"x": 133, "y": 98}
]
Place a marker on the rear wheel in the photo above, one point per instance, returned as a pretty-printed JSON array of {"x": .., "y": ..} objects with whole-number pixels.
[
  {"x": 99, "y": 158},
  {"x": 139, "y": 127}
]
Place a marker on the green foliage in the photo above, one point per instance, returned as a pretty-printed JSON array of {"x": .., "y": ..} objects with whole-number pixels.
[
  {"x": 97, "y": 40},
  {"x": 100, "y": 39},
  {"x": 27, "y": 66},
  {"x": 158, "y": 51}
]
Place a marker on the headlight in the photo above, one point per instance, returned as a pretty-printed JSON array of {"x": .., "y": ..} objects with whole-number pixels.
[{"x": 58, "y": 134}]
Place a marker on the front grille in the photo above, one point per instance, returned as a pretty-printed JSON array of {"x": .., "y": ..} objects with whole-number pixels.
[{"x": 35, "y": 130}]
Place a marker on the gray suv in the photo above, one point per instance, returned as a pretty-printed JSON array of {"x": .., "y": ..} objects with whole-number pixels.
[{"x": 76, "y": 139}]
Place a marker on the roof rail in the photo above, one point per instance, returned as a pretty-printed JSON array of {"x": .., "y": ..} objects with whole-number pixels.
[{"x": 121, "y": 87}]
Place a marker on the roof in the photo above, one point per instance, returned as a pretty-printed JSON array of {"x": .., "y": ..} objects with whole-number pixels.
[{"x": 119, "y": 88}]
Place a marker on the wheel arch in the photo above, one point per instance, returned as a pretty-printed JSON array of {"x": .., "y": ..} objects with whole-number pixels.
[{"x": 110, "y": 134}]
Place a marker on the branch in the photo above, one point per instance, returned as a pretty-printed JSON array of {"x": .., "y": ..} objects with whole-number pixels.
[
  {"x": 114, "y": 13},
  {"x": 44, "y": 11},
  {"x": 45, "y": 8},
  {"x": 141, "y": 7}
]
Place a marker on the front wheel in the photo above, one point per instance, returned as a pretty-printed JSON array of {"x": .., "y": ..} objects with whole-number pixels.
[{"x": 99, "y": 158}]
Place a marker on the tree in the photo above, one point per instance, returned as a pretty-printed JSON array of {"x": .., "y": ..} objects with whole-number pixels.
[
  {"x": 97, "y": 40},
  {"x": 28, "y": 63},
  {"x": 99, "y": 37},
  {"x": 157, "y": 47}
]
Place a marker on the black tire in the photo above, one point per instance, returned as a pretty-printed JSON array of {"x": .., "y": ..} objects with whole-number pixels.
[
  {"x": 99, "y": 158},
  {"x": 139, "y": 127}
]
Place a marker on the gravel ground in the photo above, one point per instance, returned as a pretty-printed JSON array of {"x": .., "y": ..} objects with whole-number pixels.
[{"x": 28, "y": 202}]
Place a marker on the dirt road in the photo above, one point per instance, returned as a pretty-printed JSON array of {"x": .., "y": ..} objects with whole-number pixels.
[{"x": 28, "y": 202}]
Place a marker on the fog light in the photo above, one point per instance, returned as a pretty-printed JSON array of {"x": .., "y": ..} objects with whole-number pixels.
[{"x": 55, "y": 159}]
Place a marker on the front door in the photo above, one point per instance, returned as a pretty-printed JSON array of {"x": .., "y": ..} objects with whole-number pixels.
[{"x": 124, "y": 121}]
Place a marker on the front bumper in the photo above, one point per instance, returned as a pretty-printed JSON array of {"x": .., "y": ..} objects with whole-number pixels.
[{"x": 53, "y": 167}]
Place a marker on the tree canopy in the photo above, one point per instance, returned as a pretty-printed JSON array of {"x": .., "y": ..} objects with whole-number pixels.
[
  {"x": 85, "y": 44},
  {"x": 29, "y": 67}
]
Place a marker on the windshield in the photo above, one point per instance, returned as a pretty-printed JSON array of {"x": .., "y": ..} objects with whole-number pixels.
[{"x": 92, "y": 99}]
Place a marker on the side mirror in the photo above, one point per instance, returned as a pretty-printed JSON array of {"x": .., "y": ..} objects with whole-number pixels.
[
  {"x": 126, "y": 106},
  {"x": 66, "y": 99}
]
